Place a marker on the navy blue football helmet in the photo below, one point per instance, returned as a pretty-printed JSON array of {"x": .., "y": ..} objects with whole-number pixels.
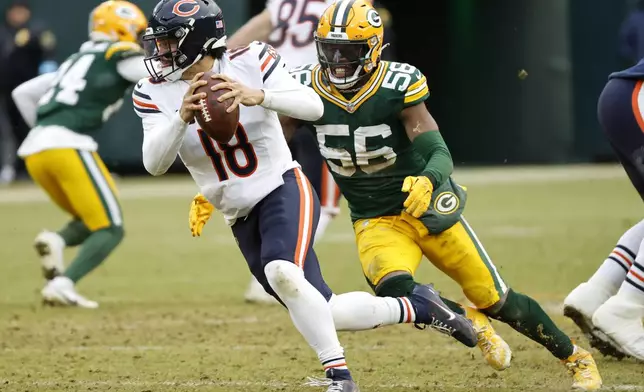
[{"x": 180, "y": 33}]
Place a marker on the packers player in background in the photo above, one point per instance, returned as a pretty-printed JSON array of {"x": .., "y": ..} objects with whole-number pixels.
[
  {"x": 388, "y": 158},
  {"x": 65, "y": 109}
]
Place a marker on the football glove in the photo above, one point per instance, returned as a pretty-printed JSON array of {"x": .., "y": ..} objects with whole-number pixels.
[
  {"x": 420, "y": 195},
  {"x": 200, "y": 211}
]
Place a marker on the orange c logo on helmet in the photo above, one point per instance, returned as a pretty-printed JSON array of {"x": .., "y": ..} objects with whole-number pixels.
[{"x": 177, "y": 11}]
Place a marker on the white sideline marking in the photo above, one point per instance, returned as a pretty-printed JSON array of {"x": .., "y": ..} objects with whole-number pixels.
[
  {"x": 184, "y": 187},
  {"x": 265, "y": 384}
]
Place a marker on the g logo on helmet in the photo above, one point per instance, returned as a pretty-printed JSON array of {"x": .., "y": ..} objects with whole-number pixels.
[
  {"x": 446, "y": 203},
  {"x": 187, "y": 11},
  {"x": 125, "y": 13},
  {"x": 374, "y": 18}
]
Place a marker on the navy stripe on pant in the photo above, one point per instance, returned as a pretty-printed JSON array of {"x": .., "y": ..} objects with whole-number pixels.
[
  {"x": 620, "y": 116},
  {"x": 282, "y": 227}
]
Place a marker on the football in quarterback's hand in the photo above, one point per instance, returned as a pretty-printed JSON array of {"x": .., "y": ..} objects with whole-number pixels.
[{"x": 212, "y": 117}]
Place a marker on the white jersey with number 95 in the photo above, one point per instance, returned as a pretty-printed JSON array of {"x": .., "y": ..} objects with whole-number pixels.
[{"x": 294, "y": 23}]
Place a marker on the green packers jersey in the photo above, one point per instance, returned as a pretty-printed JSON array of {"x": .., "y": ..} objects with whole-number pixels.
[
  {"x": 87, "y": 89},
  {"x": 363, "y": 140}
]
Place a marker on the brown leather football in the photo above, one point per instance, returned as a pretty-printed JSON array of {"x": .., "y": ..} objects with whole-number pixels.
[{"x": 212, "y": 117}]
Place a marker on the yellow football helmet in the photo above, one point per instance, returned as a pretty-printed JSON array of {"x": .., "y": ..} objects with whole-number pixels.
[
  {"x": 349, "y": 41},
  {"x": 117, "y": 20}
]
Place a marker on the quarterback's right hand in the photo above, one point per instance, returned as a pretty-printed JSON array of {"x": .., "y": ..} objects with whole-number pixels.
[
  {"x": 200, "y": 211},
  {"x": 189, "y": 105}
]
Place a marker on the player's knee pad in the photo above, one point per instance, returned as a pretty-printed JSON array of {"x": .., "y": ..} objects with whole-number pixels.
[
  {"x": 395, "y": 286},
  {"x": 284, "y": 277},
  {"x": 513, "y": 307}
]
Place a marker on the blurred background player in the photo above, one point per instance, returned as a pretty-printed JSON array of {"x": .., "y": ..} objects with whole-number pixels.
[
  {"x": 64, "y": 109},
  {"x": 26, "y": 50},
  {"x": 609, "y": 307},
  {"x": 288, "y": 25}
]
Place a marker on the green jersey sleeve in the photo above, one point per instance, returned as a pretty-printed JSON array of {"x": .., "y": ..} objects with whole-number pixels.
[
  {"x": 303, "y": 74},
  {"x": 417, "y": 91},
  {"x": 122, "y": 50}
]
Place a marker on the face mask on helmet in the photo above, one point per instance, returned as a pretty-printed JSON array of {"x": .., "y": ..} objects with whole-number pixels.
[
  {"x": 343, "y": 61},
  {"x": 163, "y": 57}
]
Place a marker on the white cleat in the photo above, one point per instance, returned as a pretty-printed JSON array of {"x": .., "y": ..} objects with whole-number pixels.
[
  {"x": 619, "y": 321},
  {"x": 50, "y": 246},
  {"x": 256, "y": 294},
  {"x": 61, "y": 291},
  {"x": 580, "y": 305}
]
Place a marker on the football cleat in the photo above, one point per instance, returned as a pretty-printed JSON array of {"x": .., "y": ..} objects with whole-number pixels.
[
  {"x": 50, "y": 246},
  {"x": 60, "y": 291},
  {"x": 333, "y": 386},
  {"x": 579, "y": 306},
  {"x": 583, "y": 369},
  {"x": 619, "y": 322},
  {"x": 496, "y": 351},
  {"x": 256, "y": 294},
  {"x": 432, "y": 312}
]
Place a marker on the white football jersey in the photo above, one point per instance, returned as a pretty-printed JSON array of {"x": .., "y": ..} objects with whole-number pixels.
[
  {"x": 235, "y": 176},
  {"x": 294, "y": 23}
]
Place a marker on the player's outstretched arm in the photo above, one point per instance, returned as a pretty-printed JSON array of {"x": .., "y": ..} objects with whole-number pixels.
[
  {"x": 287, "y": 96},
  {"x": 27, "y": 95},
  {"x": 256, "y": 29}
]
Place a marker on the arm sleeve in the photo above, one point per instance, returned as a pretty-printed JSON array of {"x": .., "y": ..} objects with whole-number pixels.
[
  {"x": 132, "y": 69},
  {"x": 439, "y": 161},
  {"x": 162, "y": 138},
  {"x": 162, "y": 135},
  {"x": 284, "y": 94},
  {"x": 27, "y": 95}
]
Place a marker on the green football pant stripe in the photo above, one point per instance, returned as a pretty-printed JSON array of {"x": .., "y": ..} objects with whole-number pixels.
[
  {"x": 499, "y": 284},
  {"x": 108, "y": 199}
]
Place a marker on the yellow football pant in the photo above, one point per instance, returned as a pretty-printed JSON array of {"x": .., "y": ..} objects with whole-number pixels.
[
  {"x": 79, "y": 183},
  {"x": 397, "y": 243}
]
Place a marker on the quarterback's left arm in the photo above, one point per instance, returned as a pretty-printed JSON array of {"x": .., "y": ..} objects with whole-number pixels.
[
  {"x": 279, "y": 92},
  {"x": 27, "y": 95},
  {"x": 423, "y": 132}
]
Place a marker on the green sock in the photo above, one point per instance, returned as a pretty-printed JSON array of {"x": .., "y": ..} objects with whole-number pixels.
[
  {"x": 95, "y": 249},
  {"x": 403, "y": 285},
  {"x": 75, "y": 233},
  {"x": 526, "y": 317}
]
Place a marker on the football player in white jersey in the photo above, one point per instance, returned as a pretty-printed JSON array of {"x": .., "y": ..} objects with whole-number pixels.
[
  {"x": 288, "y": 26},
  {"x": 253, "y": 180}
]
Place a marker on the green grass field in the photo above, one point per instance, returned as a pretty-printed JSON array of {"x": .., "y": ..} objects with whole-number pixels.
[{"x": 172, "y": 315}]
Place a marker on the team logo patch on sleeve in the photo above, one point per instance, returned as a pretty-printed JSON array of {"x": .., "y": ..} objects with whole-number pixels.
[{"x": 446, "y": 203}]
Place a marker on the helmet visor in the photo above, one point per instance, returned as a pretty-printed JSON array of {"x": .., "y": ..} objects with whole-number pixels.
[{"x": 342, "y": 58}]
